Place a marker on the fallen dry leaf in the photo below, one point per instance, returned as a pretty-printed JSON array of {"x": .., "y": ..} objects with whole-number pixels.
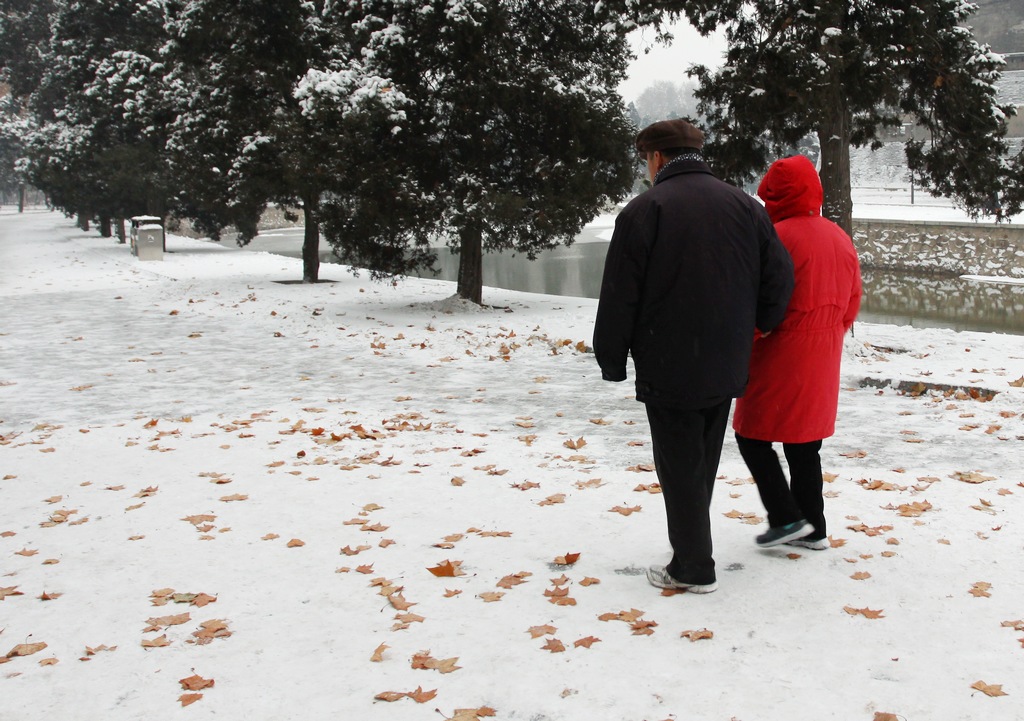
[
  {"x": 421, "y": 696},
  {"x": 989, "y": 689},
  {"x": 26, "y": 649},
  {"x": 188, "y": 699},
  {"x": 585, "y": 642},
  {"x": 390, "y": 696},
  {"x": 567, "y": 560},
  {"x": 554, "y": 646},
  {"x": 971, "y": 477},
  {"x": 159, "y": 642},
  {"x": 472, "y": 714},
  {"x": 513, "y": 579},
  {"x": 538, "y": 631},
  {"x": 697, "y": 635},
  {"x": 378, "y": 653},
  {"x": 980, "y": 590},
  {"x": 196, "y": 682},
  {"x": 865, "y": 612},
  {"x": 447, "y": 569},
  {"x": 423, "y": 660},
  {"x": 625, "y": 510},
  {"x": 175, "y": 620},
  {"x": 9, "y": 591}
]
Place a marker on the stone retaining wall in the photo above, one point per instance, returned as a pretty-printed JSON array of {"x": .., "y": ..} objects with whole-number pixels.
[{"x": 941, "y": 248}]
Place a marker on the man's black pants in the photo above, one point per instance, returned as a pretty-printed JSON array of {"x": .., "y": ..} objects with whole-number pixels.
[
  {"x": 687, "y": 448},
  {"x": 787, "y": 502}
]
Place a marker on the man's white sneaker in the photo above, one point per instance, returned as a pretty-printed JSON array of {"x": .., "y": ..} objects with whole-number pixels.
[{"x": 660, "y": 578}]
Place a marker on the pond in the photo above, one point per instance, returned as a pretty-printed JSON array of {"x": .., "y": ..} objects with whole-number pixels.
[{"x": 922, "y": 301}]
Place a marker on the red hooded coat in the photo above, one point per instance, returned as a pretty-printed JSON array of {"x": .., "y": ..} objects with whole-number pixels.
[{"x": 793, "y": 390}]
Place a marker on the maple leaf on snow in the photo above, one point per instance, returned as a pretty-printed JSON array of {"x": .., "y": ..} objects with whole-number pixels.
[
  {"x": 697, "y": 635},
  {"x": 980, "y": 589},
  {"x": 419, "y": 695},
  {"x": 625, "y": 510},
  {"x": 196, "y": 682},
  {"x": 378, "y": 653},
  {"x": 472, "y": 714},
  {"x": 26, "y": 649},
  {"x": 538, "y": 631},
  {"x": 513, "y": 579},
  {"x": 9, "y": 591},
  {"x": 187, "y": 699},
  {"x": 865, "y": 612},
  {"x": 554, "y": 646},
  {"x": 989, "y": 689},
  {"x": 447, "y": 569},
  {"x": 423, "y": 660}
]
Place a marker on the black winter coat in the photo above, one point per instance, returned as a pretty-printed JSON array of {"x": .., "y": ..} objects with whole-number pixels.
[{"x": 693, "y": 267}]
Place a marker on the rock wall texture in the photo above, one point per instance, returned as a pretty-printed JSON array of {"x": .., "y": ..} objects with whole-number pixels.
[{"x": 942, "y": 249}]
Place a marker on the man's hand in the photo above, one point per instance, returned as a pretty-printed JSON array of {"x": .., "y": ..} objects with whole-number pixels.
[{"x": 614, "y": 376}]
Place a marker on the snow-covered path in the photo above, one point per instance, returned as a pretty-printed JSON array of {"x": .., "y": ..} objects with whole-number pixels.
[{"x": 300, "y": 453}]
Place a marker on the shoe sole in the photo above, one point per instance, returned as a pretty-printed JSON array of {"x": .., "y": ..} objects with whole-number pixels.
[
  {"x": 821, "y": 545},
  {"x": 805, "y": 530},
  {"x": 678, "y": 586}
]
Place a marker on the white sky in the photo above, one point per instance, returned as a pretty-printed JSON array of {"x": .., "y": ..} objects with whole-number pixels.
[{"x": 669, "y": 62}]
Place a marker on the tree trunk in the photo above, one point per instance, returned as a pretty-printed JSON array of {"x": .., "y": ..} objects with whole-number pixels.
[
  {"x": 106, "y": 227},
  {"x": 21, "y": 198},
  {"x": 834, "y": 138},
  {"x": 471, "y": 264},
  {"x": 83, "y": 222},
  {"x": 119, "y": 225},
  {"x": 310, "y": 240}
]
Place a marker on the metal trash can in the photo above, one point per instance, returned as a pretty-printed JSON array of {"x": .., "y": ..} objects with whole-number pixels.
[
  {"x": 149, "y": 242},
  {"x": 139, "y": 221}
]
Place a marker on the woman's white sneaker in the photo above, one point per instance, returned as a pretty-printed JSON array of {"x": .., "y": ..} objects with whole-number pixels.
[{"x": 819, "y": 544}]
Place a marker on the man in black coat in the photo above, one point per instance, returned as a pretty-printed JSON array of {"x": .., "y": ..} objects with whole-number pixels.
[{"x": 694, "y": 266}]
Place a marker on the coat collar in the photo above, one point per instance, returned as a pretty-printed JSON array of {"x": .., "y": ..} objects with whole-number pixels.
[{"x": 685, "y": 163}]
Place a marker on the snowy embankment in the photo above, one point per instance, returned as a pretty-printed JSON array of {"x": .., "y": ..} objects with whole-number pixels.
[{"x": 225, "y": 497}]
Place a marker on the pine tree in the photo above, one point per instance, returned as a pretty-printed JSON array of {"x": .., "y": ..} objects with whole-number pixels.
[
  {"x": 505, "y": 131},
  {"x": 14, "y": 128},
  {"x": 846, "y": 71},
  {"x": 91, "y": 148},
  {"x": 242, "y": 139}
]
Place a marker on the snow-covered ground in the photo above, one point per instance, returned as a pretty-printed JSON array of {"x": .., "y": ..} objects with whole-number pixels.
[{"x": 242, "y": 495}]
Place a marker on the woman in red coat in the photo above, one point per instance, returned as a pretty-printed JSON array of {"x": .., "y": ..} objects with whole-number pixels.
[{"x": 793, "y": 390}]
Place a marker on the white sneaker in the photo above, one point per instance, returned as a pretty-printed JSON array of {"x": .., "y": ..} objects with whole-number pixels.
[
  {"x": 818, "y": 545},
  {"x": 660, "y": 578}
]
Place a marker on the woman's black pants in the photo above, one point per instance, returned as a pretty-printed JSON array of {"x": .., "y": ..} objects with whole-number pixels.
[{"x": 787, "y": 502}]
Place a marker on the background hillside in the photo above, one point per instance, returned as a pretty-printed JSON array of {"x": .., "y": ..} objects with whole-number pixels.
[{"x": 1000, "y": 23}]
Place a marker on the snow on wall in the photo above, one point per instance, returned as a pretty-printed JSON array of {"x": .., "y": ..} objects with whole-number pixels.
[{"x": 950, "y": 249}]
